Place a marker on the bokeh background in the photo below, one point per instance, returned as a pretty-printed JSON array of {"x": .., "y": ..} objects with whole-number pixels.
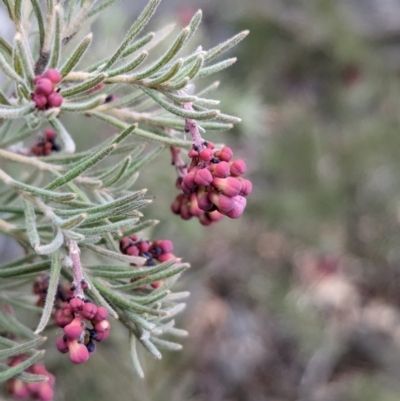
[{"x": 299, "y": 299}]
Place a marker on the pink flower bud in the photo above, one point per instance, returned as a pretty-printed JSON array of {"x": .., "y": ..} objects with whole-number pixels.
[
  {"x": 156, "y": 284},
  {"x": 215, "y": 216},
  {"x": 40, "y": 101},
  {"x": 188, "y": 184},
  {"x": 222, "y": 202},
  {"x": 63, "y": 320},
  {"x": 45, "y": 392},
  {"x": 133, "y": 250},
  {"x": 176, "y": 205},
  {"x": 54, "y": 100},
  {"x": 206, "y": 154},
  {"x": 89, "y": 310},
  {"x": 220, "y": 170},
  {"x": 125, "y": 243},
  {"x": 44, "y": 86},
  {"x": 166, "y": 245},
  {"x": 19, "y": 389},
  {"x": 205, "y": 220},
  {"x": 229, "y": 186},
  {"x": 102, "y": 326},
  {"x": 50, "y": 135},
  {"x": 33, "y": 387},
  {"x": 37, "y": 78},
  {"x": 101, "y": 314},
  {"x": 225, "y": 154},
  {"x": 78, "y": 353},
  {"x": 103, "y": 336},
  {"x": 144, "y": 246},
  {"x": 210, "y": 145},
  {"x": 193, "y": 153},
  {"x": 53, "y": 75},
  {"x": 203, "y": 177},
  {"x": 74, "y": 330},
  {"x": 194, "y": 206},
  {"x": 61, "y": 345},
  {"x": 204, "y": 201},
  {"x": 238, "y": 167},
  {"x": 237, "y": 211},
  {"x": 164, "y": 257},
  {"x": 76, "y": 304},
  {"x": 247, "y": 187},
  {"x": 185, "y": 212}
]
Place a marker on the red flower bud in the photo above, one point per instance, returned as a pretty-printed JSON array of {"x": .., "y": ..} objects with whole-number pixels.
[
  {"x": 220, "y": 170},
  {"x": 103, "y": 336},
  {"x": 44, "y": 86},
  {"x": 144, "y": 246},
  {"x": 102, "y": 326},
  {"x": 19, "y": 389},
  {"x": 205, "y": 220},
  {"x": 222, "y": 202},
  {"x": 78, "y": 353},
  {"x": 40, "y": 101},
  {"x": 176, "y": 205},
  {"x": 204, "y": 201},
  {"x": 54, "y": 100},
  {"x": 215, "y": 216},
  {"x": 229, "y": 186},
  {"x": 238, "y": 167},
  {"x": 45, "y": 392},
  {"x": 193, "y": 153},
  {"x": 188, "y": 183},
  {"x": 76, "y": 304},
  {"x": 247, "y": 187},
  {"x": 194, "y": 206},
  {"x": 101, "y": 314},
  {"x": 74, "y": 330},
  {"x": 225, "y": 154},
  {"x": 53, "y": 75},
  {"x": 206, "y": 154},
  {"x": 61, "y": 345},
  {"x": 237, "y": 211},
  {"x": 166, "y": 245},
  {"x": 156, "y": 284},
  {"x": 62, "y": 320},
  {"x": 203, "y": 177},
  {"x": 89, "y": 310},
  {"x": 50, "y": 135},
  {"x": 125, "y": 243},
  {"x": 133, "y": 250},
  {"x": 164, "y": 257}
]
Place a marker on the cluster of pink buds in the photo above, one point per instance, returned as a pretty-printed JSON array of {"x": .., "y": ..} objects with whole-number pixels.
[
  {"x": 79, "y": 337},
  {"x": 153, "y": 251},
  {"x": 46, "y": 95},
  {"x": 46, "y": 144},
  {"x": 38, "y": 390},
  {"x": 213, "y": 186}
]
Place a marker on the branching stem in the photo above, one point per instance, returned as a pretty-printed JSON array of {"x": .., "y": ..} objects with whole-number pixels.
[{"x": 79, "y": 280}]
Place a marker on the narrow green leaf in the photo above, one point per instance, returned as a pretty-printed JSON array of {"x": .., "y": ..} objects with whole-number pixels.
[
  {"x": 76, "y": 55},
  {"x": 84, "y": 86},
  {"x": 84, "y": 106},
  {"x": 3, "y": 99},
  {"x": 15, "y": 112},
  {"x": 168, "y": 140},
  {"x": 168, "y": 345},
  {"x": 52, "y": 246},
  {"x": 116, "y": 256},
  {"x": 100, "y": 8},
  {"x": 43, "y": 193},
  {"x": 216, "y": 67},
  {"x": 5, "y": 47},
  {"x": 14, "y": 326},
  {"x": 223, "y": 47},
  {"x": 167, "y": 75},
  {"x": 63, "y": 135},
  {"x": 204, "y": 115},
  {"x": 30, "y": 221},
  {"x": 113, "y": 296},
  {"x": 138, "y": 44},
  {"x": 145, "y": 341},
  {"x": 134, "y": 356},
  {"x": 123, "y": 168},
  {"x": 106, "y": 228},
  {"x": 135, "y": 29},
  {"x": 24, "y": 56},
  {"x": 129, "y": 66},
  {"x": 169, "y": 55},
  {"x": 10, "y": 72},
  {"x": 56, "y": 50},
  {"x": 73, "y": 222},
  {"x": 22, "y": 348},
  {"x": 13, "y": 371},
  {"x": 39, "y": 18},
  {"x": 51, "y": 292}
]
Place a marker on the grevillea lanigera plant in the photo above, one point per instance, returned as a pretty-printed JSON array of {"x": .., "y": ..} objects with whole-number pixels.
[{"x": 61, "y": 204}]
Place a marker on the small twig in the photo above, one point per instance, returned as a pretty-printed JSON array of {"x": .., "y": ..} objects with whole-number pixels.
[
  {"x": 79, "y": 280},
  {"x": 29, "y": 160},
  {"x": 178, "y": 162}
]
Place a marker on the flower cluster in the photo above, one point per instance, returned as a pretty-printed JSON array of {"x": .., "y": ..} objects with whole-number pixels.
[
  {"x": 46, "y": 144},
  {"x": 153, "y": 251},
  {"x": 46, "y": 95},
  {"x": 38, "y": 390},
  {"x": 78, "y": 338},
  {"x": 213, "y": 186}
]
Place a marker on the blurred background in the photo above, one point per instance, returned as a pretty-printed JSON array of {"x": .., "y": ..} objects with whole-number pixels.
[{"x": 300, "y": 298}]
